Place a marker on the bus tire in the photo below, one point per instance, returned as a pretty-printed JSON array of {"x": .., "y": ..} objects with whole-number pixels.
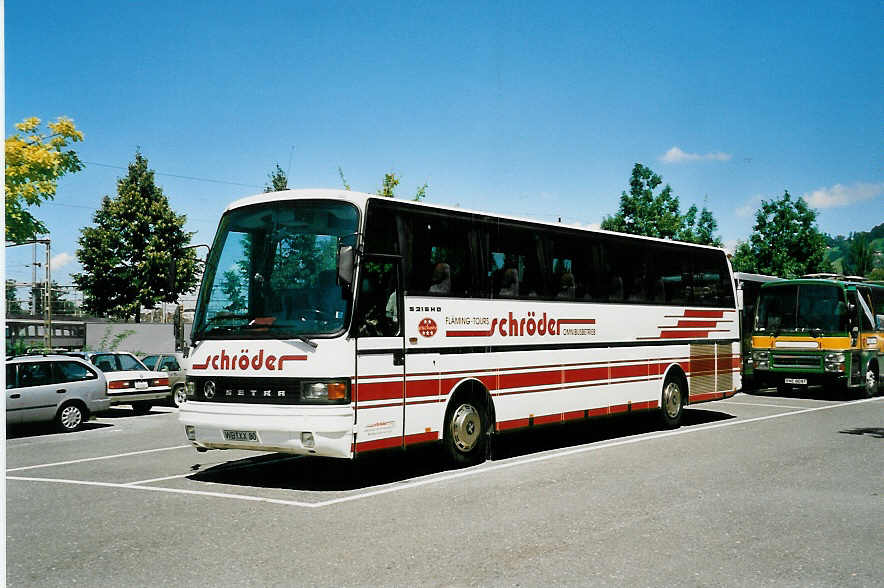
[
  {"x": 870, "y": 383},
  {"x": 465, "y": 437},
  {"x": 672, "y": 401}
]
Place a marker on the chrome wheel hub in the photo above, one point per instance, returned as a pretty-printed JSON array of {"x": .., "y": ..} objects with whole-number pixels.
[
  {"x": 671, "y": 400},
  {"x": 71, "y": 417},
  {"x": 466, "y": 426}
]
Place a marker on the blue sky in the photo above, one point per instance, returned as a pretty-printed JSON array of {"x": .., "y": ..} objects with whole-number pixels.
[{"x": 533, "y": 109}]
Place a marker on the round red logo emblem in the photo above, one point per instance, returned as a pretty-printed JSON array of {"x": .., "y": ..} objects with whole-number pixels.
[{"x": 427, "y": 327}]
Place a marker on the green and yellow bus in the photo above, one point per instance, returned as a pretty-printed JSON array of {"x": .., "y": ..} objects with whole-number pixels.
[{"x": 820, "y": 330}]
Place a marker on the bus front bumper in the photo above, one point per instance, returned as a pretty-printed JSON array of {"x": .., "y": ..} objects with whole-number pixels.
[{"x": 303, "y": 430}]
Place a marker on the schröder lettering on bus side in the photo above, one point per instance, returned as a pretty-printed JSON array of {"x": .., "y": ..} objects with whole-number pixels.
[{"x": 453, "y": 325}]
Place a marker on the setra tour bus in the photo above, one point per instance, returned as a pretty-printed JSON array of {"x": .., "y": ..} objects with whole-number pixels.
[
  {"x": 822, "y": 330},
  {"x": 335, "y": 323}
]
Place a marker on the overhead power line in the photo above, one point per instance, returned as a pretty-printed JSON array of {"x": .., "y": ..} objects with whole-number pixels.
[{"x": 195, "y": 179}]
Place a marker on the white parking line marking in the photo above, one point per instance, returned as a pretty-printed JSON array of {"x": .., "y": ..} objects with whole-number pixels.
[
  {"x": 85, "y": 459},
  {"x": 140, "y": 482},
  {"x": 433, "y": 478},
  {"x": 167, "y": 490},
  {"x": 758, "y": 404}
]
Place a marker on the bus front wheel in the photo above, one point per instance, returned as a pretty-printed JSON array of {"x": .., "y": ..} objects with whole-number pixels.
[
  {"x": 466, "y": 432},
  {"x": 672, "y": 402}
]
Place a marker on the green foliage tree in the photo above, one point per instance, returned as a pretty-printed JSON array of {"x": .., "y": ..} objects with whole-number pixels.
[
  {"x": 277, "y": 181},
  {"x": 34, "y": 163},
  {"x": 644, "y": 212},
  {"x": 135, "y": 255},
  {"x": 860, "y": 257},
  {"x": 13, "y": 305},
  {"x": 59, "y": 303},
  {"x": 232, "y": 288},
  {"x": 785, "y": 241},
  {"x": 388, "y": 186}
]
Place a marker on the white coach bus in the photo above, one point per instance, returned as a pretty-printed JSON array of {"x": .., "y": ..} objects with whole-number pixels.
[{"x": 335, "y": 323}]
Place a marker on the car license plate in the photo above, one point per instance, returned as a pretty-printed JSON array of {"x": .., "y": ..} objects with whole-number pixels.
[
  {"x": 799, "y": 381},
  {"x": 240, "y": 436},
  {"x": 140, "y": 385}
]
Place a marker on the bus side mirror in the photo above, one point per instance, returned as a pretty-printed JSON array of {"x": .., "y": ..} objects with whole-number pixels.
[{"x": 346, "y": 262}]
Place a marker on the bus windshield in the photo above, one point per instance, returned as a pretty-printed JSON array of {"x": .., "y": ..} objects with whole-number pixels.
[
  {"x": 272, "y": 272},
  {"x": 802, "y": 307}
]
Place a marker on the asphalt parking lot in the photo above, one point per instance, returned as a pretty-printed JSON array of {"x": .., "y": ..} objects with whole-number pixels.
[{"x": 757, "y": 489}]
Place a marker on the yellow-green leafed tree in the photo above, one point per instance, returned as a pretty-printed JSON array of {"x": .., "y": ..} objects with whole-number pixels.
[{"x": 35, "y": 160}]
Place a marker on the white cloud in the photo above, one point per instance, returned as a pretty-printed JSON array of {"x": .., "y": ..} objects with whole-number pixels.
[
  {"x": 60, "y": 260},
  {"x": 750, "y": 207},
  {"x": 676, "y": 155},
  {"x": 840, "y": 195}
]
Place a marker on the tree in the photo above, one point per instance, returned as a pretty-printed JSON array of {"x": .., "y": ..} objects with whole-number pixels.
[
  {"x": 13, "y": 305},
  {"x": 58, "y": 303},
  {"x": 232, "y": 288},
  {"x": 700, "y": 231},
  {"x": 785, "y": 241},
  {"x": 34, "y": 163},
  {"x": 642, "y": 212},
  {"x": 388, "y": 186},
  {"x": 135, "y": 255},
  {"x": 860, "y": 257},
  {"x": 278, "y": 181}
]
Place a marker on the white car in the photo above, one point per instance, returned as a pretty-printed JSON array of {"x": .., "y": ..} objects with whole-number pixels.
[
  {"x": 58, "y": 388},
  {"x": 128, "y": 380}
]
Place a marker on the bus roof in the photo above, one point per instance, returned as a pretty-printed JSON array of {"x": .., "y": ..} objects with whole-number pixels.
[
  {"x": 361, "y": 199},
  {"x": 813, "y": 280}
]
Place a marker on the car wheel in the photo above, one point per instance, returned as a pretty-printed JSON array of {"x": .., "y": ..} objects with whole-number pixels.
[
  {"x": 179, "y": 395},
  {"x": 142, "y": 407},
  {"x": 70, "y": 417}
]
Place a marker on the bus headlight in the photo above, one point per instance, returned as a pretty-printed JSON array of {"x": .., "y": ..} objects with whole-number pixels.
[
  {"x": 762, "y": 359},
  {"x": 191, "y": 389},
  {"x": 326, "y": 391},
  {"x": 835, "y": 362}
]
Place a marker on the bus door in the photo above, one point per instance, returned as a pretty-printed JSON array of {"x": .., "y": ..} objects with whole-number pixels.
[{"x": 379, "y": 393}]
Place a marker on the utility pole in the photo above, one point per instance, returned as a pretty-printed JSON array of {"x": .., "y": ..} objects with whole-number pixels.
[
  {"x": 47, "y": 307},
  {"x": 47, "y": 295}
]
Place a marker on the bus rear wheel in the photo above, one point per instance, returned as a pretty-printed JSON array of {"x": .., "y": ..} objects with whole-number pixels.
[
  {"x": 672, "y": 402},
  {"x": 466, "y": 432}
]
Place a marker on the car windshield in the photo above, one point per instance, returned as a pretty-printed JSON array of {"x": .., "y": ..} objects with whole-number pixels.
[
  {"x": 272, "y": 272},
  {"x": 802, "y": 308},
  {"x": 116, "y": 362}
]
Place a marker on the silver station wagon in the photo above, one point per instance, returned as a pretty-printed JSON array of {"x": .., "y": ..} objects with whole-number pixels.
[{"x": 57, "y": 388}]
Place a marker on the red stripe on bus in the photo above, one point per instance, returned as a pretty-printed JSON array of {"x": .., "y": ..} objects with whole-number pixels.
[
  {"x": 468, "y": 333},
  {"x": 421, "y": 438},
  {"x": 576, "y": 321},
  {"x": 514, "y": 424},
  {"x": 684, "y": 334},
  {"x": 548, "y": 418},
  {"x": 703, "y": 313},
  {"x": 585, "y": 375},
  {"x": 379, "y": 444},
  {"x": 710, "y": 324},
  {"x": 706, "y": 397},
  {"x": 573, "y": 415},
  {"x": 619, "y": 408},
  {"x": 530, "y": 379},
  {"x": 593, "y": 412},
  {"x": 421, "y": 388},
  {"x": 378, "y": 391}
]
